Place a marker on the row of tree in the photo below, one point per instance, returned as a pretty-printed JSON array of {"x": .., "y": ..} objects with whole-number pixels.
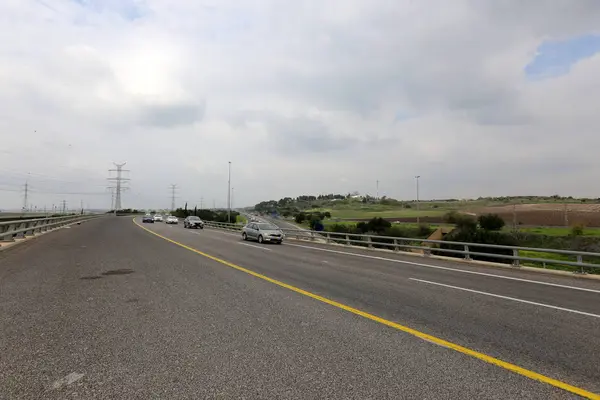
[{"x": 207, "y": 215}]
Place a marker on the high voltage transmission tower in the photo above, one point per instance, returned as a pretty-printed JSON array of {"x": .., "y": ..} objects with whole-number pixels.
[
  {"x": 25, "y": 196},
  {"x": 119, "y": 184},
  {"x": 173, "y": 188}
]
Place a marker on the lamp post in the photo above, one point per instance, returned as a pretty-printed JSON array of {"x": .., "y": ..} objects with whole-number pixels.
[{"x": 417, "y": 179}]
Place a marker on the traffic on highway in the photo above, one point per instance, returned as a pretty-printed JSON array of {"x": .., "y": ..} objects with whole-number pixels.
[{"x": 186, "y": 312}]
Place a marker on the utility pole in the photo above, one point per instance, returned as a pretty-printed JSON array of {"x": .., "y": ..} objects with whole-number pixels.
[
  {"x": 229, "y": 195},
  {"x": 566, "y": 216},
  {"x": 417, "y": 179},
  {"x": 173, "y": 188},
  {"x": 514, "y": 217},
  {"x": 232, "y": 192},
  {"x": 119, "y": 179},
  {"x": 377, "y": 191},
  {"x": 201, "y": 203},
  {"x": 64, "y": 206},
  {"x": 81, "y": 206}
]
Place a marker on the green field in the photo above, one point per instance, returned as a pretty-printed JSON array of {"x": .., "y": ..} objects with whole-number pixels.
[
  {"x": 373, "y": 211},
  {"x": 557, "y": 231}
]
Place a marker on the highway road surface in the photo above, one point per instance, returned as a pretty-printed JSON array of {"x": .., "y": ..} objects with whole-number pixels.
[{"x": 114, "y": 310}]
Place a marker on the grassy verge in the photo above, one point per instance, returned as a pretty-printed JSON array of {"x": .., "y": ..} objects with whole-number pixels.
[
  {"x": 240, "y": 219},
  {"x": 558, "y": 258}
]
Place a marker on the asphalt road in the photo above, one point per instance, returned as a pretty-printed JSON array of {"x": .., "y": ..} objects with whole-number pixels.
[{"x": 108, "y": 310}]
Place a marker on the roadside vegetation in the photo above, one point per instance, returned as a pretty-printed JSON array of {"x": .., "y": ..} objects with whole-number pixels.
[
  {"x": 207, "y": 215},
  {"x": 471, "y": 221}
]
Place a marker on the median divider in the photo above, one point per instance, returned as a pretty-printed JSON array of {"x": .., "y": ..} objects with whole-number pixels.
[{"x": 580, "y": 263}]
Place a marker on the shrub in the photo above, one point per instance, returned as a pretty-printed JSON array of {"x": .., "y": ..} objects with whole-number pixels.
[
  {"x": 451, "y": 217},
  {"x": 424, "y": 230},
  {"x": 340, "y": 228},
  {"x": 577, "y": 229},
  {"x": 466, "y": 223},
  {"x": 491, "y": 222},
  {"x": 482, "y": 237},
  {"x": 316, "y": 224},
  {"x": 300, "y": 218},
  {"x": 378, "y": 225}
]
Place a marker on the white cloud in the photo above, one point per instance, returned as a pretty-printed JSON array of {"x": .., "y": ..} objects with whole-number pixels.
[{"x": 302, "y": 97}]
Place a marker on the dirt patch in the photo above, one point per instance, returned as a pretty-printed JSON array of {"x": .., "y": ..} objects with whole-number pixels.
[{"x": 548, "y": 214}]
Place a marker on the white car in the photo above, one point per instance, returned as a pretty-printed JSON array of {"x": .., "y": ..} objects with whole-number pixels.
[
  {"x": 158, "y": 218},
  {"x": 172, "y": 220}
]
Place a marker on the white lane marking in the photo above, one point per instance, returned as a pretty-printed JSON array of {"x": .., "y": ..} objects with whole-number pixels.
[
  {"x": 67, "y": 380},
  {"x": 255, "y": 246},
  {"x": 507, "y": 298},
  {"x": 238, "y": 235},
  {"x": 446, "y": 268}
]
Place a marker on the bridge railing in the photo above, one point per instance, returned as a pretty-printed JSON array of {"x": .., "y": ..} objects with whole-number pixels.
[
  {"x": 581, "y": 261},
  {"x": 11, "y": 230}
]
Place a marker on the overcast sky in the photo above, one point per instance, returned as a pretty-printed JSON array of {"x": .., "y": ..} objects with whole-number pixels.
[{"x": 303, "y": 97}]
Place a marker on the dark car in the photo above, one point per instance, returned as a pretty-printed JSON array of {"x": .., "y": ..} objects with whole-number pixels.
[
  {"x": 149, "y": 219},
  {"x": 193, "y": 222}
]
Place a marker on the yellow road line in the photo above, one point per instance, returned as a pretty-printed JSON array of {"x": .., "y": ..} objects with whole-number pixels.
[{"x": 464, "y": 350}]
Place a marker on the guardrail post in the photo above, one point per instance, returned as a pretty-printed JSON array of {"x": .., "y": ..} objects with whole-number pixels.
[
  {"x": 8, "y": 237},
  {"x": 312, "y": 236},
  {"x": 369, "y": 242},
  {"x": 347, "y": 240},
  {"x": 21, "y": 225},
  {"x": 328, "y": 238},
  {"x": 44, "y": 226},
  {"x": 467, "y": 255},
  {"x": 516, "y": 260},
  {"x": 580, "y": 261},
  {"x": 30, "y": 226},
  {"x": 37, "y": 228}
]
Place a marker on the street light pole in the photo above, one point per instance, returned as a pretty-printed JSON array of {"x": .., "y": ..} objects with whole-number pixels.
[
  {"x": 417, "y": 179},
  {"x": 229, "y": 195}
]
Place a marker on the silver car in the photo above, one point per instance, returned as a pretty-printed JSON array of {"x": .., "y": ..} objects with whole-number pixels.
[{"x": 262, "y": 232}]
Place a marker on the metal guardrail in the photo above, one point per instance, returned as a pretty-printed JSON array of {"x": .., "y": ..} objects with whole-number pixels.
[
  {"x": 469, "y": 250},
  {"x": 11, "y": 230}
]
